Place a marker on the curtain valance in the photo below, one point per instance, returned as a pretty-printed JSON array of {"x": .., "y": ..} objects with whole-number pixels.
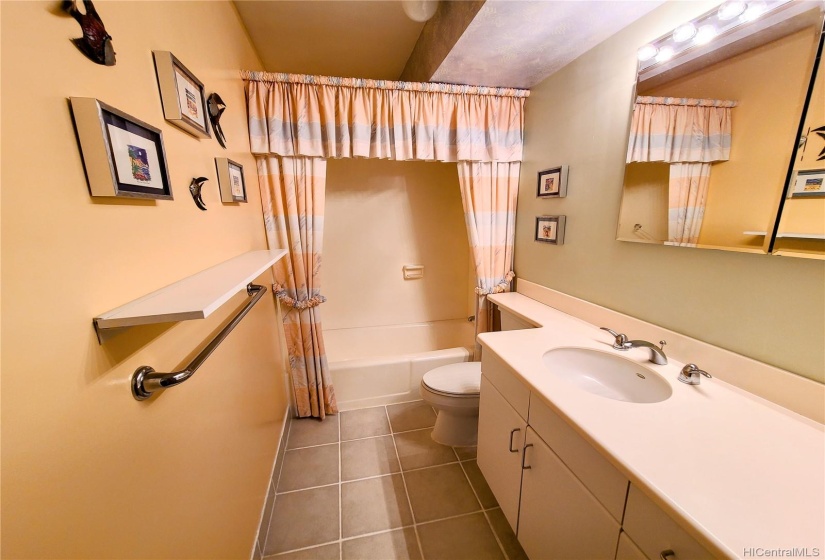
[
  {"x": 318, "y": 116},
  {"x": 675, "y": 129}
]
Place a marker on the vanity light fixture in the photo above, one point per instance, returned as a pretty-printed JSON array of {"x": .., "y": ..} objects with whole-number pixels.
[
  {"x": 647, "y": 52},
  {"x": 684, "y": 32},
  {"x": 705, "y": 35},
  {"x": 730, "y": 10},
  {"x": 755, "y": 9},
  {"x": 665, "y": 53}
]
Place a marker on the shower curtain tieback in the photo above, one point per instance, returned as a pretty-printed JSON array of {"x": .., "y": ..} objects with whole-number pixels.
[
  {"x": 296, "y": 122},
  {"x": 689, "y": 134}
]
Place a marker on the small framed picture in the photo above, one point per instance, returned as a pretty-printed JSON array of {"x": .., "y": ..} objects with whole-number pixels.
[
  {"x": 550, "y": 229},
  {"x": 552, "y": 183},
  {"x": 230, "y": 180},
  {"x": 808, "y": 184},
  {"x": 122, "y": 156},
  {"x": 182, "y": 95}
]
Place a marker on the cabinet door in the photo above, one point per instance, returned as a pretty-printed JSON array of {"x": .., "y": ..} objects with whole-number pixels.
[
  {"x": 559, "y": 517},
  {"x": 499, "y": 426}
]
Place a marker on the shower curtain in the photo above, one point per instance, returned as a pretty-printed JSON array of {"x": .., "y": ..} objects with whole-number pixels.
[{"x": 297, "y": 118}]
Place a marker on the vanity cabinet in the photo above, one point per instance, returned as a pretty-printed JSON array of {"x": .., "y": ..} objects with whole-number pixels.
[{"x": 562, "y": 497}]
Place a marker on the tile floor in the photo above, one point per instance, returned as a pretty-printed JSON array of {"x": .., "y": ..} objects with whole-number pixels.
[{"x": 372, "y": 484}]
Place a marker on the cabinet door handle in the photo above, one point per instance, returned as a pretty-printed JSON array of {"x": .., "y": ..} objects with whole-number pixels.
[
  {"x": 512, "y": 433},
  {"x": 524, "y": 457},
  {"x": 667, "y": 555}
]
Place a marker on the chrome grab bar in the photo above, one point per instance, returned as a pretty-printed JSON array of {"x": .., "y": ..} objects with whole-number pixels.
[{"x": 146, "y": 380}]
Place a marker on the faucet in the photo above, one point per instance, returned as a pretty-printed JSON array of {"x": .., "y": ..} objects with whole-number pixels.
[
  {"x": 690, "y": 374},
  {"x": 657, "y": 354}
]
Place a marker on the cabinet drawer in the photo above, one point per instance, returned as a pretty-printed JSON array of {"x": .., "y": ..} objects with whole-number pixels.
[
  {"x": 628, "y": 550},
  {"x": 654, "y": 531},
  {"x": 503, "y": 379},
  {"x": 599, "y": 476}
]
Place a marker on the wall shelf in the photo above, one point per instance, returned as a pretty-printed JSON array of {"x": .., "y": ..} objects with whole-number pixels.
[
  {"x": 195, "y": 297},
  {"x": 788, "y": 235}
]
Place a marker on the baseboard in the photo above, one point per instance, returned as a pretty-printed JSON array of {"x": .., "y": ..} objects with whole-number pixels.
[{"x": 786, "y": 389}]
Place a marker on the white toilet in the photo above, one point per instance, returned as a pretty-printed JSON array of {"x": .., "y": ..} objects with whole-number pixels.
[{"x": 453, "y": 391}]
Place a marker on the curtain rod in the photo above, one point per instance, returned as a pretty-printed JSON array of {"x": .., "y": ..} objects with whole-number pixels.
[{"x": 426, "y": 87}]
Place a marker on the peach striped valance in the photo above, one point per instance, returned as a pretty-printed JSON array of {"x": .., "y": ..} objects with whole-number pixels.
[
  {"x": 677, "y": 129},
  {"x": 328, "y": 117}
]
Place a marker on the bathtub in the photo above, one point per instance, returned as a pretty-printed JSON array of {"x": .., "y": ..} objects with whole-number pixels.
[{"x": 372, "y": 366}]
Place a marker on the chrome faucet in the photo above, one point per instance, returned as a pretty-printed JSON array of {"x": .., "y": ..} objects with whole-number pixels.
[
  {"x": 691, "y": 374},
  {"x": 657, "y": 354}
]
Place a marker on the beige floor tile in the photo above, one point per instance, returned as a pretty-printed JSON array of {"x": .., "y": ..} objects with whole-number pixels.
[
  {"x": 308, "y": 467},
  {"x": 366, "y": 422},
  {"x": 400, "y": 544},
  {"x": 417, "y": 449},
  {"x": 440, "y": 492},
  {"x": 311, "y": 431},
  {"x": 368, "y": 457},
  {"x": 505, "y": 535},
  {"x": 465, "y": 453},
  {"x": 411, "y": 416},
  {"x": 485, "y": 495},
  {"x": 463, "y": 538},
  {"x": 302, "y": 519},
  {"x": 270, "y": 501},
  {"x": 326, "y": 552},
  {"x": 375, "y": 504}
]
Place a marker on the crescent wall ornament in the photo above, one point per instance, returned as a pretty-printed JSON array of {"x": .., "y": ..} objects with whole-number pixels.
[
  {"x": 216, "y": 108},
  {"x": 96, "y": 42},
  {"x": 195, "y": 188}
]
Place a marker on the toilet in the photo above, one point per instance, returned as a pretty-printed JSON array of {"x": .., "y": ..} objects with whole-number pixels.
[{"x": 453, "y": 391}]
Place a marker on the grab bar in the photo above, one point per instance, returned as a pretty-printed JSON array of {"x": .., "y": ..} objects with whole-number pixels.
[{"x": 146, "y": 380}]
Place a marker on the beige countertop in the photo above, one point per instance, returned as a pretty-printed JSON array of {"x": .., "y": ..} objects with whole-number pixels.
[{"x": 738, "y": 471}]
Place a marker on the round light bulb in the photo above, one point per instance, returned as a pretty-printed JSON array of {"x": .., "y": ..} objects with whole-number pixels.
[
  {"x": 665, "y": 53},
  {"x": 755, "y": 9},
  {"x": 705, "y": 34},
  {"x": 419, "y": 10},
  {"x": 647, "y": 52},
  {"x": 684, "y": 32},
  {"x": 730, "y": 10}
]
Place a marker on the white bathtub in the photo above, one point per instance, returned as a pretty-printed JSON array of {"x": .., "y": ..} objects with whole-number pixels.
[{"x": 381, "y": 365}]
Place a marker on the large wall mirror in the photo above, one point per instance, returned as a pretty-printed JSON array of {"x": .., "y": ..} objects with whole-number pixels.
[{"x": 728, "y": 132}]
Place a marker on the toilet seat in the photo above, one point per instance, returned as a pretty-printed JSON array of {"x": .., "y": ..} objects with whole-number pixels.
[{"x": 461, "y": 380}]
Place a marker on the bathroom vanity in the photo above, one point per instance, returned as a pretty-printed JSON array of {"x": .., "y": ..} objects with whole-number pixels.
[{"x": 707, "y": 471}]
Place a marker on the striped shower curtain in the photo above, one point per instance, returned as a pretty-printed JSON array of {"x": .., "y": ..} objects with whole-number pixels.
[
  {"x": 297, "y": 121},
  {"x": 689, "y": 134}
]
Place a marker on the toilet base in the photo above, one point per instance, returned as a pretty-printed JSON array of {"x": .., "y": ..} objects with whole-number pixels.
[{"x": 456, "y": 430}]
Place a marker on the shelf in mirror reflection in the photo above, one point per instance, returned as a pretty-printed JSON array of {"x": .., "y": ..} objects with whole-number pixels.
[{"x": 788, "y": 235}]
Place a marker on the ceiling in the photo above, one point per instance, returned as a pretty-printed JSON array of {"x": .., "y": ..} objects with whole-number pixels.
[{"x": 515, "y": 43}]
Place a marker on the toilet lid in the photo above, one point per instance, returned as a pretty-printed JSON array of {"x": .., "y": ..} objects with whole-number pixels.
[{"x": 461, "y": 379}]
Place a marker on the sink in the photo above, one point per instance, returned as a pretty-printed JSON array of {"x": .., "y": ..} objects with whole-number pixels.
[{"x": 607, "y": 375}]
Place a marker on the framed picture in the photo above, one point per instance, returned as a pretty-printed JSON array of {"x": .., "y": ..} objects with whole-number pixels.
[
  {"x": 552, "y": 183},
  {"x": 122, "y": 156},
  {"x": 808, "y": 184},
  {"x": 550, "y": 229},
  {"x": 230, "y": 180},
  {"x": 182, "y": 95}
]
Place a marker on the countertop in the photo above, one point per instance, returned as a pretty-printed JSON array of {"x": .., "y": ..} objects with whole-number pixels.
[{"x": 737, "y": 471}]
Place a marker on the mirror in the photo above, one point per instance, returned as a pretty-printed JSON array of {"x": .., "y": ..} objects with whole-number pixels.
[{"x": 715, "y": 125}]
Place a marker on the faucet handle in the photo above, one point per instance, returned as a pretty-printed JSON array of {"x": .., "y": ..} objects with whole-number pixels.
[
  {"x": 620, "y": 342},
  {"x": 690, "y": 374}
]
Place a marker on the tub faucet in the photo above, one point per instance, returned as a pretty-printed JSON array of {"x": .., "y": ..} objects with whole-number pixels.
[
  {"x": 657, "y": 354},
  {"x": 691, "y": 374}
]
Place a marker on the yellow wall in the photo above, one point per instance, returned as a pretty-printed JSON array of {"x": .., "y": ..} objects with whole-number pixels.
[
  {"x": 743, "y": 192},
  {"x": 762, "y": 306},
  {"x": 381, "y": 215},
  {"x": 87, "y": 470},
  {"x": 644, "y": 202}
]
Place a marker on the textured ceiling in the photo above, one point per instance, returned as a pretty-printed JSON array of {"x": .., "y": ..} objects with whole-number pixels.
[
  {"x": 515, "y": 43},
  {"x": 519, "y": 43},
  {"x": 360, "y": 39}
]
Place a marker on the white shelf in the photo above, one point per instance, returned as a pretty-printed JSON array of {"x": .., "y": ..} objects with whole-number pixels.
[
  {"x": 788, "y": 235},
  {"x": 195, "y": 297}
]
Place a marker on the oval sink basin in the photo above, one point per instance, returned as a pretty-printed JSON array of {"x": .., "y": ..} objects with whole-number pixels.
[{"x": 607, "y": 375}]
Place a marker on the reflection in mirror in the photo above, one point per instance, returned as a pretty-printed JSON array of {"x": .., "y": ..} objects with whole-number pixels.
[
  {"x": 801, "y": 229},
  {"x": 714, "y": 126}
]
